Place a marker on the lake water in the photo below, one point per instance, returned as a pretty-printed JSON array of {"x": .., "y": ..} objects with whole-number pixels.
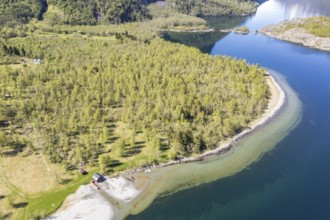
[{"x": 292, "y": 181}]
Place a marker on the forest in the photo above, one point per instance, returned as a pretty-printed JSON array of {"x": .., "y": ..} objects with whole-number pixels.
[
  {"x": 13, "y": 12},
  {"x": 167, "y": 95},
  {"x": 115, "y": 90},
  {"x": 80, "y": 83},
  {"x": 81, "y": 12},
  {"x": 214, "y": 7}
]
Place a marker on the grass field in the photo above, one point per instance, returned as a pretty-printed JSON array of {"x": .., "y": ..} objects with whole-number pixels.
[
  {"x": 4, "y": 203},
  {"x": 31, "y": 187}
]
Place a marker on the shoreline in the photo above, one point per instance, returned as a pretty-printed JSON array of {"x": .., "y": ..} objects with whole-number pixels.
[
  {"x": 296, "y": 35},
  {"x": 141, "y": 183},
  {"x": 207, "y": 30},
  {"x": 275, "y": 104},
  {"x": 281, "y": 116}
]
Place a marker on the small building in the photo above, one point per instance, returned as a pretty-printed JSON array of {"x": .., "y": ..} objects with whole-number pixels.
[
  {"x": 37, "y": 61},
  {"x": 82, "y": 171},
  {"x": 98, "y": 178}
]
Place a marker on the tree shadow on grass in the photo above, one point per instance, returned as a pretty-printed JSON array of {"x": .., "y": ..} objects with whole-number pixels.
[
  {"x": 133, "y": 150},
  {"x": 65, "y": 181},
  {"x": 112, "y": 140},
  {"x": 19, "y": 205},
  {"x": 5, "y": 216},
  {"x": 9, "y": 153},
  {"x": 111, "y": 126},
  {"x": 4, "y": 124},
  {"x": 164, "y": 147},
  {"x": 115, "y": 163}
]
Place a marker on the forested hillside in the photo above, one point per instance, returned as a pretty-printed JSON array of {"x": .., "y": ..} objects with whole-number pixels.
[
  {"x": 91, "y": 12},
  {"x": 168, "y": 96},
  {"x": 110, "y": 97},
  {"x": 81, "y": 12},
  {"x": 78, "y": 12},
  {"x": 14, "y": 12},
  {"x": 213, "y": 7}
]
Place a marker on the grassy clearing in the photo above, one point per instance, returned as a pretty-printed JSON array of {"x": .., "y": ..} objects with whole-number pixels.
[
  {"x": 45, "y": 186},
  {"x": 33, "y": 174},
  {"x": 48, "y": 203},
  {"x": 40, "y": 206},
  {"x": 5, "y": 208}
]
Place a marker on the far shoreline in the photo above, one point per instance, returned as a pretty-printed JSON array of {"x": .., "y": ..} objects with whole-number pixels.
[{"x": 287, "y": 31}]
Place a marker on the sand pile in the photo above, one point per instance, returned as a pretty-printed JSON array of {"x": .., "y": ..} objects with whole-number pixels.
[
  {"x": 85, "y": 204},
  {"x": 121, "y": 188}
]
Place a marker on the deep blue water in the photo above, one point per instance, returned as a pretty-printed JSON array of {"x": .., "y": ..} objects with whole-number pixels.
[{"x": 292, "y": 181}]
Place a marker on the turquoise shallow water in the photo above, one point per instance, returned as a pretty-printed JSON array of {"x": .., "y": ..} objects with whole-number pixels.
[{"x": 292, "y": 181}]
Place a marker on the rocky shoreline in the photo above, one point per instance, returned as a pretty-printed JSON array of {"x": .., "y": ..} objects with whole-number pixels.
[{"x": 288, "y": 31}]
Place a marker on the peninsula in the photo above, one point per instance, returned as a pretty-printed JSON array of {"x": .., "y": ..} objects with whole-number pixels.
[
  {"x": 311, "y": 32},
  {"x": 119, "y": 196},
  {"x": 95, "y": 89}
]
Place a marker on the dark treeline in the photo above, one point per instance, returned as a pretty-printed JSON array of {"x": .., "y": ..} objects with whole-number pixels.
[
  {"x": 213, "y": 7},
  {"x": 78, "y": 12},
  {"x": 83, "y": 12},
  {"x": 92, "y": 12},
  {"x": 173, "y": 94},
  {"x": 13, "y": 12}
]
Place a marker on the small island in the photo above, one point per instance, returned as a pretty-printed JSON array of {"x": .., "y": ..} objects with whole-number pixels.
[
  {"x": 311, "y": 32},
  {"x": 241, "y": 30},
  {"x": 237, "y": 30}
]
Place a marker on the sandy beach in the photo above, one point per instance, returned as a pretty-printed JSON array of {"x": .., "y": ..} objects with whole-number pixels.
[{"x": 131, "y": 192}]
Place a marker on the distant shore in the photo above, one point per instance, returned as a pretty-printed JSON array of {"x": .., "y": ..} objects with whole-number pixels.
[
  {"x": 190, "y": 30},
  {"x": 287, "y": 31},
  {"x": 120, "y": 188}
]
